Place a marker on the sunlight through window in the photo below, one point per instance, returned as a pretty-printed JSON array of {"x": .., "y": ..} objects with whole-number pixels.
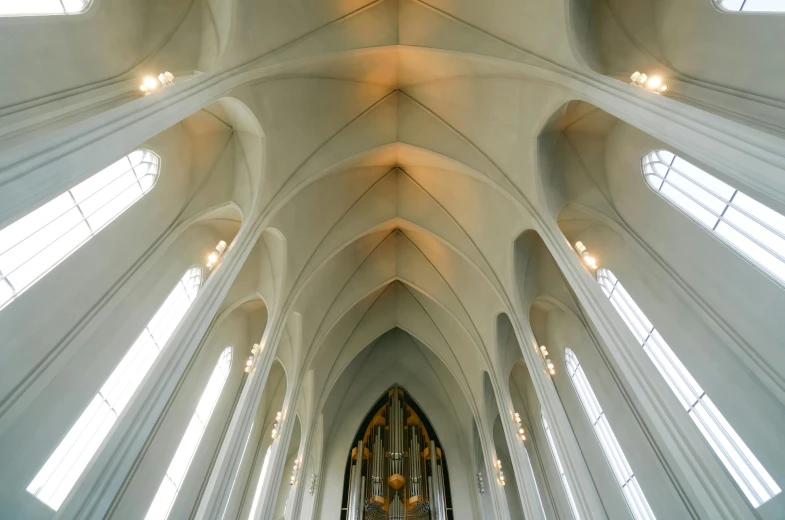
[
  {"x": 173, "y": 479},
  {"x": 754, "y": 230},
  {"x": 632, "y": 491},
  {"x": 752, "y": 6},
  {"x": 56, "y": 478},
  {"x": 42, "y": 7},
  {"x": 37, "y": 242},
  {"x": 748, "y": 472},
  {"x": 560, "y": 468}
]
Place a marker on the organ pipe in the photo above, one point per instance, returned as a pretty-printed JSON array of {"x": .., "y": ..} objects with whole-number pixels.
[{"x": 397, "y": 467}]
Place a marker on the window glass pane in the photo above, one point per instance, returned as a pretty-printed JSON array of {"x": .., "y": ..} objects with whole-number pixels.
[
  {"x": 560, "y": 469},
  {"x": 748, "y": 472},
  {"x": 260, "y": 483},
  {"x": 610, "y": 445},
  {"x": 746, "y": 225},
  {"x": 185, "y": 451},
  {"x": 175, "y": 475},
  {"x": 695, "y": 210},
  {"x": 63, "y": 468},
  {"x": 761, "y": 6},
  {"x": 41, "y": 7},
  {"x": 40, "y": 240}
]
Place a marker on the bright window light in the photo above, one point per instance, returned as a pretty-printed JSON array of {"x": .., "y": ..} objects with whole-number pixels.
[
  {"x": 748, "y": 472},
  {"x": 61, "y": 471},
  {"x": 752, "y": 6},
  {"x": 260, "y": 484},
  {"x": 42, "y": 7},
  {"x": 37, "y": 242},
  {"x": 560, "y": 468},
  {"x": 631, "y": 490},
  {"x": 752, "y": 229},
  {"x": 173, "y": 480},
  {"x": 242, "y": 456}
]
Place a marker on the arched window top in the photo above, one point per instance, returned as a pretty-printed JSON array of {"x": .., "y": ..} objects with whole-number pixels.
[
  {"x": 42, "y": 7},
  {"x": 571, "y": 360},
  {"x": 751, "y": 6},
  {"x": 37, "y": 242},
  {"x": 755, "y": 231}
]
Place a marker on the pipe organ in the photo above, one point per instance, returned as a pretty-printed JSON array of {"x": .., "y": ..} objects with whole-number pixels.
[{"x": 396, "y": 468}]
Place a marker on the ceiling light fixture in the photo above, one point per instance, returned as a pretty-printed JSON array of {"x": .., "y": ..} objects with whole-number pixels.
[
  {"x": 296, "y": 466},
  {"x": 249, "y": 362},
  {"x": 548, "y": 363},
  {"x": 500, "y": 473},
  {"x": 277, "y": 425},
  {"x": 216, "y": 255},
  {"x": 651, "y": 83},
  {"x": 519, "y": 426},
  {"x": 151, "y": 84},
  {"x": 587, "y": 258}
]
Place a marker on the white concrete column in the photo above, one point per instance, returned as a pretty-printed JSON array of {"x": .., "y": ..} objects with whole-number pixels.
[
  {"x": 524, "y": 476},
  {"x": 98, "y": 488},
  {"x": 219, "y": 484},
  {"x": 269, "y": 496},
  {"x": 703, "y": 478},
  {"x": 492, "y": 486},
  {"x": 587, "y": 500}
]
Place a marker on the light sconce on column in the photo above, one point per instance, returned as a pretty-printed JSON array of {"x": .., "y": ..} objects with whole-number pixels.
[
  {"x": 249, "y": 363},
  {"x": 500, "y": 473},
  {"x": 547, "y": 360},
  {"x": 295, "y": 469},
  {"x": 651, "y": 83},
  {"x": 587, "y": 258},
  {"x": 216, "y": 255},
  {"x": 480, "y": 483},
  {"x": 277, "y": 425},
  {"x": 151, "y": 84},
  {"x": 519, "y": 426},
  {"x": 313, "y": 483}
]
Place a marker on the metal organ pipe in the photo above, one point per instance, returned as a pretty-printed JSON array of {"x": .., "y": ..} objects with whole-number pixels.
[{"x": 402, "y": 478}]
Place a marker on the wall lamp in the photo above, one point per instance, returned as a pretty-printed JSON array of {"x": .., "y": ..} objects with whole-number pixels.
[
  {"x": 277, "y": 425},
  {"x": 499, "y": 472},
  {"x": 249, "y": 363},
  {"x": 587, "y": 258},
  {"x": 216, "y": 255},
  {"x": 651, "y": 83},
  {"x": 519, "y": 426},
  {"x": 151, "y": 84},
  {"x": 294, "y": 472},
  {"x": 547, "y": 360}
]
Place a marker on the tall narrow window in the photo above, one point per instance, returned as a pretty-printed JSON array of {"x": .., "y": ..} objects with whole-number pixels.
[
  {"x": 752, "y": 6},
  {"x": 59, "y": 474},
  {"x": 632, "y": 491},
  {"x": 260, "y": 483},
  {"x": 234, "y": 480},
  {"x": 170, "y": 486},
  {"x": 749, "y": 227},
  {"x": 42, "y": 7},
  {"x": 37, "y": 242},
  {"x": 748, "y": 472},
  {"x": 560, "y": 468}
]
